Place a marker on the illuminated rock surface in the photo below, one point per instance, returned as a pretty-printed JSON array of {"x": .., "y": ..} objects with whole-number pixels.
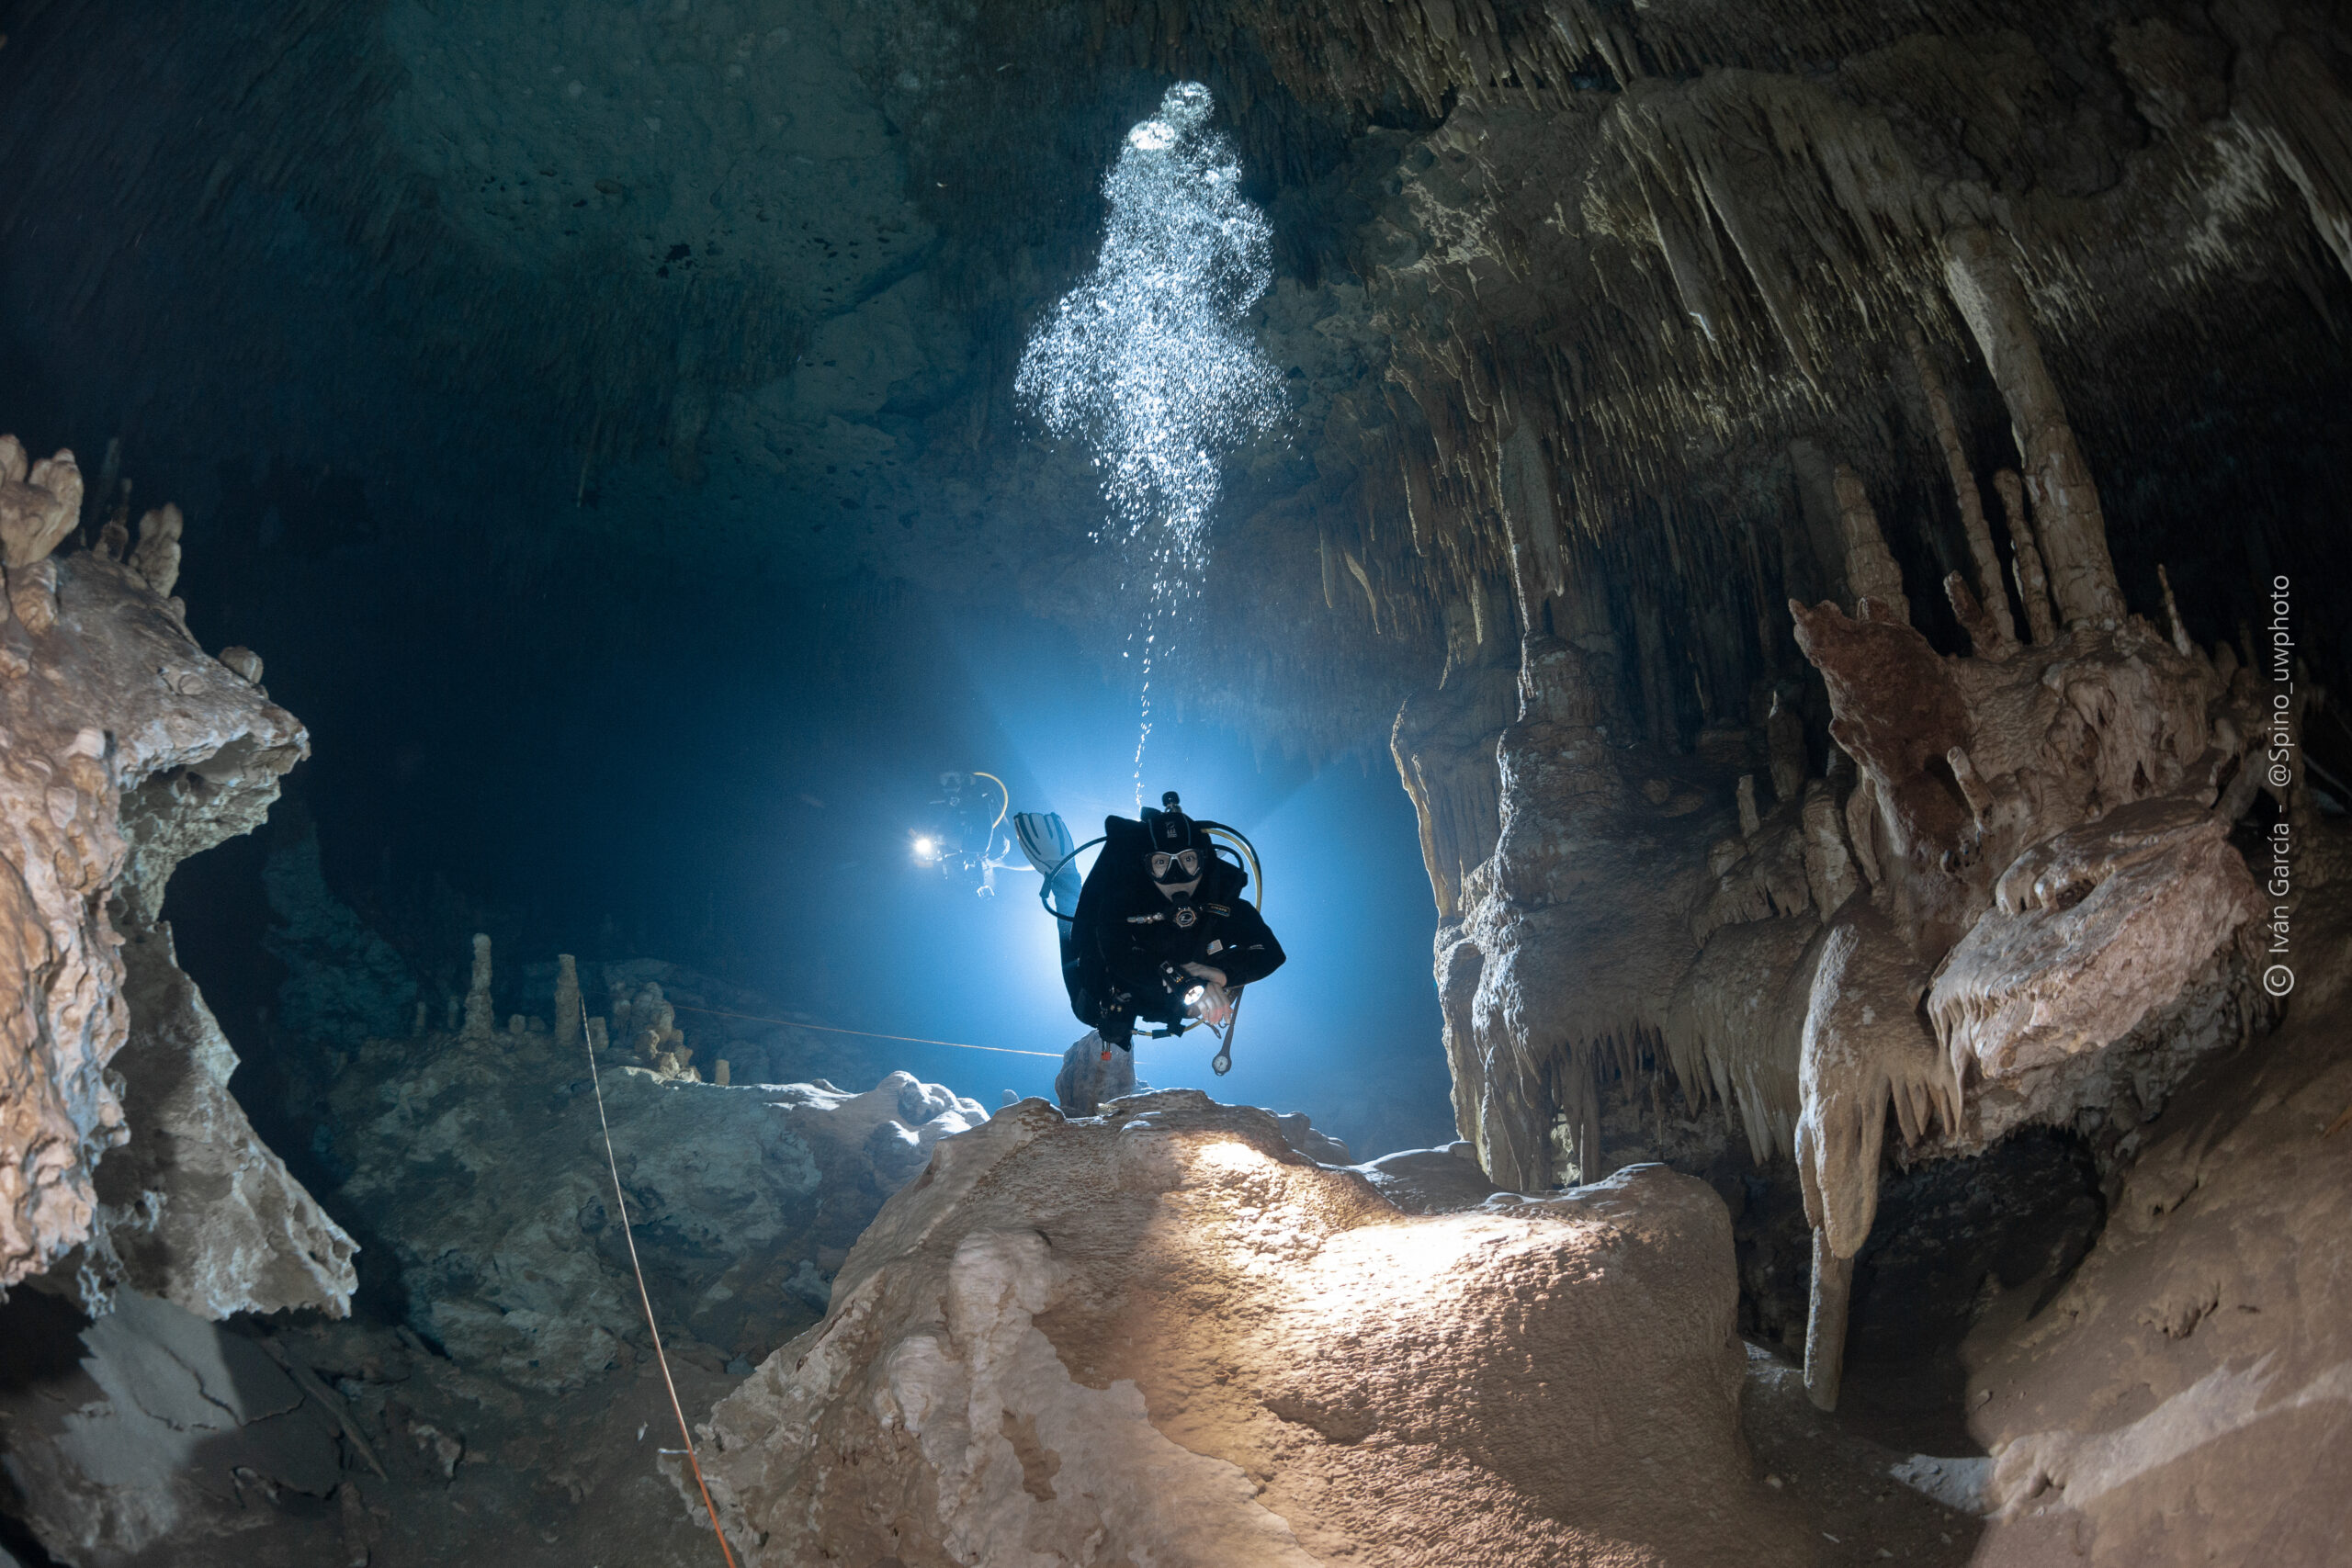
[
  {"x": 1164, "y": 1335},
  {"x": 128, "y": 749}
]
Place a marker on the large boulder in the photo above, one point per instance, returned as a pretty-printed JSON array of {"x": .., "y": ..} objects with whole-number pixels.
[{"x": 1163, "y": 1336}]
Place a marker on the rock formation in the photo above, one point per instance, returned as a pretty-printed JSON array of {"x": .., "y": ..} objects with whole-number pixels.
[
  {"x": 481, "y": 1171},
  {"x": 519, "y": 1375},
  {"x": 128, "y": 750},
  {"x": 2011, "y": 900},
  {"x": 1164, "y": 1335},
  {"x": 2048, "y": 870},
  {"x": 2193, "y": 1376}
]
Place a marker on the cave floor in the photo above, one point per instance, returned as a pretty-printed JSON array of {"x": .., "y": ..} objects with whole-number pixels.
[{"x": 1836, "y": 1468}]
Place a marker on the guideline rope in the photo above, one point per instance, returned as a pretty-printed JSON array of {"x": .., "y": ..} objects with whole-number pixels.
[
  {"x": 867, "y": 1034},
  {"x": 644, "y": 1300}
]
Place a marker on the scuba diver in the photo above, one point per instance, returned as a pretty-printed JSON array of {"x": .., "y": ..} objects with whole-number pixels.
[
  {"x": 1161, "y": 935},
  {"x": 962, "y": 841}
]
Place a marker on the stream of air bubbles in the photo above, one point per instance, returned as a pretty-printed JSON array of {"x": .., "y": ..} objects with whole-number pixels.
[{"x": 1148, "y": 360}]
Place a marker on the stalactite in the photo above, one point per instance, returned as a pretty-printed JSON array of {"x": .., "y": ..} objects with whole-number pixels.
[
  {"x": 2073, "y": 528},
  {"x": 2287, "y": 97}
]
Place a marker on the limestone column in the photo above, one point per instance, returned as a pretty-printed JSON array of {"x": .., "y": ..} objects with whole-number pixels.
[{"x": 2066, "y": 503}]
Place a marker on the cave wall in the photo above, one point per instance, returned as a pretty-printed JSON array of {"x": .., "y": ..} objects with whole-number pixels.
[
  {"x": 124, "y": 1162},
  {"x": 1976, "y": 873}
]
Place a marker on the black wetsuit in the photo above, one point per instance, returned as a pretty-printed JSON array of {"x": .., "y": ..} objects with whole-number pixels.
[{"x": 1123, "y": 962}]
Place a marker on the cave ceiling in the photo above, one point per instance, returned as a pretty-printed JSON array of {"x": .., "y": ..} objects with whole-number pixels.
[{"x": 737, "y": 290}]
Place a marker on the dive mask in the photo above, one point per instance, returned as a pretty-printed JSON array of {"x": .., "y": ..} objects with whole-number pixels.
[{"x": 1181, "y": 866}]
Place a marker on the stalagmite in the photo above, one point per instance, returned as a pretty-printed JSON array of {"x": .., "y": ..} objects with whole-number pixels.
[
  {"x": 2032, "y": 582},
  {"x": 156, "y": 557},
  {"x": 32, "y": 594},
  {"x": 113, "y": 496},
  {"x": 39, "y": 504},
  {"x": 1985, "y": 638},
  {"x": 480, "y": 1024},
  {"x": 1828, "y": 869},
  {"x": 567, "y": 1001},
  {"x": 1871, "y": 572},
  {"x": 1784, "y": 739},
  {"x": 1749, "y": 823},
  {"x": 2073, "y": 530},
  {"x": 1994, "y": 598},
  {"x": 2180, "y": 638},
  {"x": 654, "y": 1019}
]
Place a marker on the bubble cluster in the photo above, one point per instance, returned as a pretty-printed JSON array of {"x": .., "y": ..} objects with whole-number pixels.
[{"x": 1148, "y": 360}]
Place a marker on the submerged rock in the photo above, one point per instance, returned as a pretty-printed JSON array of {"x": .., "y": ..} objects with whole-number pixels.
[
  {"x": 149, "y": 1430},
  {"x": 1164, "y": 1335},
  {"x": 515, "y": 1411},
  {"x": 480, "y": 1168}
]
